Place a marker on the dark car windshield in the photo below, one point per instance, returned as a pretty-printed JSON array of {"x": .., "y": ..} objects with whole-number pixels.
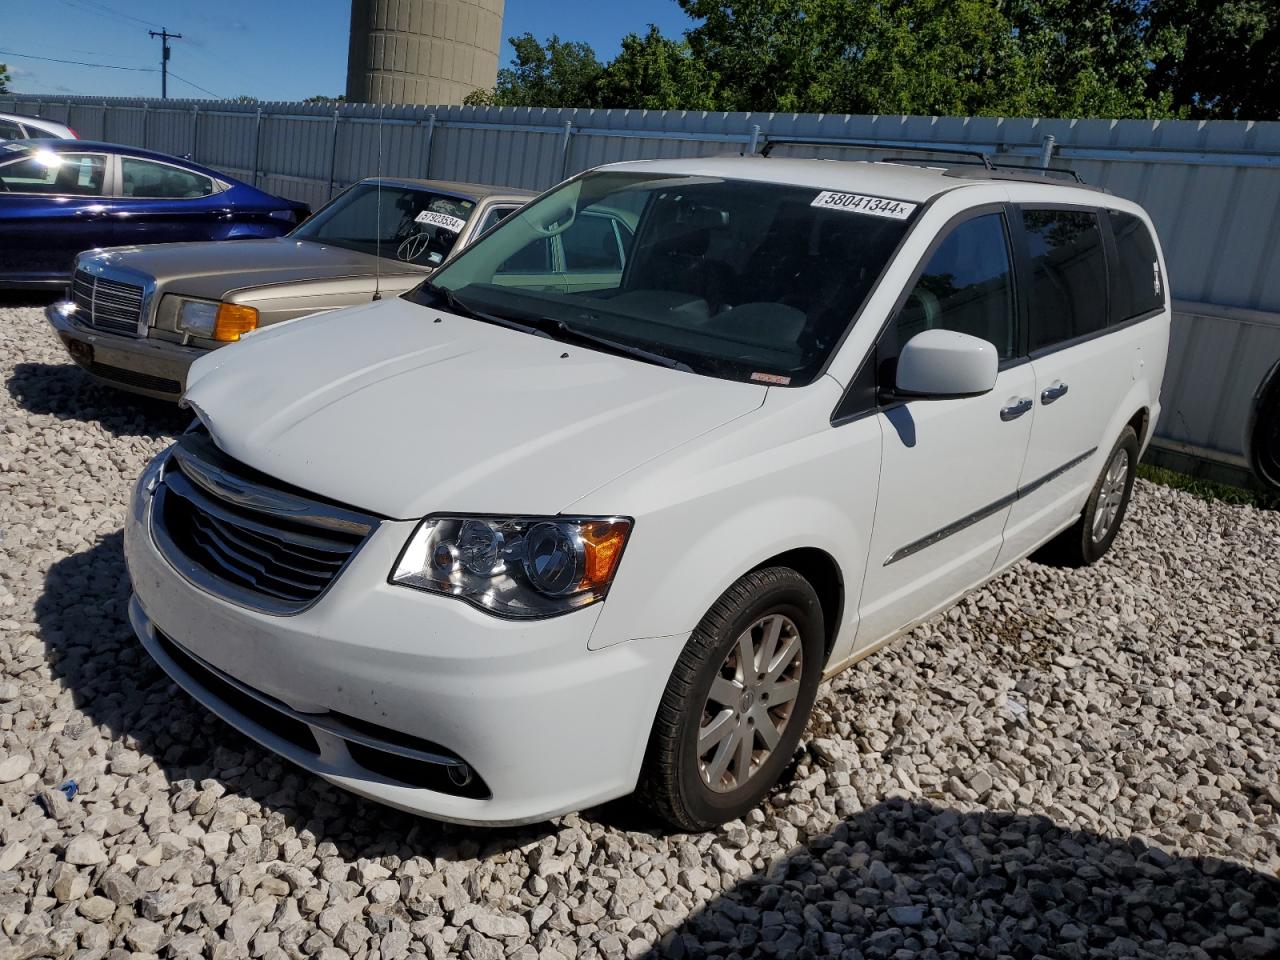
[
  {"x": 737, "y": 279},
  {"x": 393, "y": 221}
]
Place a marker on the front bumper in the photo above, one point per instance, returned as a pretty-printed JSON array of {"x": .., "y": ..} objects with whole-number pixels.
[
  {"x": 548, "y": 725},
  {"x": 153, "y": 368}
]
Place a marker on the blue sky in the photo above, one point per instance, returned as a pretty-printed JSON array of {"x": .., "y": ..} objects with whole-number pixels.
[{"x": 270, "y": 49}]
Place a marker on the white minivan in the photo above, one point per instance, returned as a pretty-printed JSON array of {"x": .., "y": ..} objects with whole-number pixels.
[{"x": 524, "y": 539}]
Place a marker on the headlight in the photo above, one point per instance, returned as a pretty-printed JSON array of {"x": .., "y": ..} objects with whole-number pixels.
[
  {"x": 216, "y": 321},
  {"x": 515, "y": 566}
]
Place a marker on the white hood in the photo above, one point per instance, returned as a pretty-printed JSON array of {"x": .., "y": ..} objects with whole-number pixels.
[{"x": 405, "y": 411}]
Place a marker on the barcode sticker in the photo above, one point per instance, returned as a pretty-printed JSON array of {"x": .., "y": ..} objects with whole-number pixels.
[{"x": 860, "y": 203}]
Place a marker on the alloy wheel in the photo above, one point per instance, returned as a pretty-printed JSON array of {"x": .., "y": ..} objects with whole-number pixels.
[
  {"x": 1110, "y": 495},
  {"x": 750, "y": 702}
]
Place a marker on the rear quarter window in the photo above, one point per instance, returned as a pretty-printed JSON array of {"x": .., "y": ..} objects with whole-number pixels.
[
  {"x": 1068, "y": 275},
  {"x": 1137, "y": 286}
]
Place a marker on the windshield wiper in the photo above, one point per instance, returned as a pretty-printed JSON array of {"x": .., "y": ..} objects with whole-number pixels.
[
  {"x": 563, "y": 331},
  {"x": 455, "y": 304},
  {"x": 557, "y": 330}
]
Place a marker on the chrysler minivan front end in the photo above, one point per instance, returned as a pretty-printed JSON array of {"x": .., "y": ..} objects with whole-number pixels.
[{"x": 334, "y": 638}]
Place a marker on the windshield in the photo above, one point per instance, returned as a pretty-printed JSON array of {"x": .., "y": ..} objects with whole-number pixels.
[
  {"x": 397, "y": 222},
  {"x": 737, "y": 279}
]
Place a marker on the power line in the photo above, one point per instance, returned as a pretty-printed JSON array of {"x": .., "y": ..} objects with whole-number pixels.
[
  {"x": 110, "y": 66},
  {"x": 78, "y": 63},
  {"x": 197, "y": 86},
  {"x": 102, "y": 10}
]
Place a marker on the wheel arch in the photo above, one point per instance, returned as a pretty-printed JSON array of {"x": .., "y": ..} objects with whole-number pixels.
[
  {"x": 1140, "y": 422},
  {"x": 823, "y": 572},
  {"x": 827, "y": 539}
]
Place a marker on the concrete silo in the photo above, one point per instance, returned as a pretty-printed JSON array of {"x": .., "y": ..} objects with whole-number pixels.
[{"x": 422, "y": 51}]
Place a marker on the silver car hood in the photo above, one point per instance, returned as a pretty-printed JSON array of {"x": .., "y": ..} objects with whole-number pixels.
[
  {"x": 404, "y": 410},
  {"x": 214, "y": 269}
]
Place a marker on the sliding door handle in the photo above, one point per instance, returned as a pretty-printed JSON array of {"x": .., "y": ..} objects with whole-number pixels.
[
  {"x": 1053, "y": 392},
  {"x": 1015, "y": 409}
]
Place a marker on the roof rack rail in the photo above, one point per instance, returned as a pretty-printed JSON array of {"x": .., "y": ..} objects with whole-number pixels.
[
  {"x": 1005, "y": 171},
  {"x": 978, "y": 156},
  {"x": 973, "y": 157}
]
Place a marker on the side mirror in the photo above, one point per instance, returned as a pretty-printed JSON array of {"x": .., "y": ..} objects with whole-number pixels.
[{"x": 943, "y": 364}]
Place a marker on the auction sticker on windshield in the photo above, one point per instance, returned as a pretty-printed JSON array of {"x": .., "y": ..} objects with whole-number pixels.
[
  {"x": 440, "y": 220},
  {"x": 858, "y": 203}
]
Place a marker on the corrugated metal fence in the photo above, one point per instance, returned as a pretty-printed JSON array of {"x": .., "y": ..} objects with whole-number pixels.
[{"x": 1213, "y": 188}]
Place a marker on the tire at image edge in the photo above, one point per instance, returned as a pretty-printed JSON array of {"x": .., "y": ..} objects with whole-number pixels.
[
  {"x": 1264, "y": 441},
  {"x": 670, "y": 782}
]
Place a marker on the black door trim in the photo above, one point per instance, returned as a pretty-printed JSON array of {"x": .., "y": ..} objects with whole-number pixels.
[{"x": 992, "y": 508}]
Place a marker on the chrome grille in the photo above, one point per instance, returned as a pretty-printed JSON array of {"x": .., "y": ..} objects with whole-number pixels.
[
  {"x": 108, "y": 305},
  {"x": 235, "y": 533}
]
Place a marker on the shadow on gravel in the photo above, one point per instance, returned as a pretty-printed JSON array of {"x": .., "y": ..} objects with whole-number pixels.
[
  {"x": 84, "y": 623},
  {"x": 29, "y": 298},
  {"x": 68, "y": 393},
  {"x": 910, "y": 879}
]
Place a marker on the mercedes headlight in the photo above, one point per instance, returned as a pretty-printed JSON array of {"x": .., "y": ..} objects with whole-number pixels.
[
  {"x": 227, "y": 322},
  {"x": 522, "y": 567}
]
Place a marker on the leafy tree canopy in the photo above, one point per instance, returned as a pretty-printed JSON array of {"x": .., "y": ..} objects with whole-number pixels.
[
  {"x": 4, "y": 78},
  {"x": 1074, "y": 58}
]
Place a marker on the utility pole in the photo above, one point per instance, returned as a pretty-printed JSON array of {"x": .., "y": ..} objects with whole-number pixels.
[{"x": 165, "y": 36}]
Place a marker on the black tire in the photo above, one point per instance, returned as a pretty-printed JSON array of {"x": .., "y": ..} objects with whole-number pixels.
[
  {"x": 671, "y": 781},
  {"x": 1077, "y": 546},
  {"x": 1265, "y": 441}
]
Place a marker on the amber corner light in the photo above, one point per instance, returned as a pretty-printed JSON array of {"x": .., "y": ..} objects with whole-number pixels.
[
  {"x": 603, "y": 542},
  {"x": 234, "y": 321}
]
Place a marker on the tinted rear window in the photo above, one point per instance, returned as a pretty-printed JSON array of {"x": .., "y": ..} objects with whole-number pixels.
[
  {"x": 1068, "y": 275},
  {"x": 1136, "y": 284}
]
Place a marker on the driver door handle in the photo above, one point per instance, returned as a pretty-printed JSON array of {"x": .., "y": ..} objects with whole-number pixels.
[
  {"x": 1053, "y": 392},
  {"x": 1015, "y": 409}
]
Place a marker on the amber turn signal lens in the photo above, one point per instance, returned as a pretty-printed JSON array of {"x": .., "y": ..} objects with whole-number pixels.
[
  {"x": 234, "y": 321},
  {"x": 602, "y": 544}
]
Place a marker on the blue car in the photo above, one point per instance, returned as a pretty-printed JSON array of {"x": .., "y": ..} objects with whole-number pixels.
[{"x": 59, "y": 197}]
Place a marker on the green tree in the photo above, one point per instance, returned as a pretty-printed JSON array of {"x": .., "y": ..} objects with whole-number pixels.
[
  {"x": 774, "y": 54},
  {"x": 969, "y": 57},
  {"x": 930, "y": 57},
  {"x": 4, "y": 78},
  {"x": 654, "y": 72},
  {"x": 1219, "y": 59},
  {"x": 321, "y": 98},
  {"x": 560, "y": 74},
  {"x": 1089, "y": 58},
  {"x": 1068, "y": 58}
]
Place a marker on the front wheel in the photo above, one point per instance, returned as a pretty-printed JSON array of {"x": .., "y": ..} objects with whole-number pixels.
[
  {"x": 737, "y": 701},
  {"x": 1092, "y": 534}
]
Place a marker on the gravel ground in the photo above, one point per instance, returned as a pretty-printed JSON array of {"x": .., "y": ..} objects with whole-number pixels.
[{"x": 1067, "y": 764}]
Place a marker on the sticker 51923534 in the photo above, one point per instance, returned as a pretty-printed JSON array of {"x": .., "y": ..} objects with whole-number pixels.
[{"x": 859, "y": 203}]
